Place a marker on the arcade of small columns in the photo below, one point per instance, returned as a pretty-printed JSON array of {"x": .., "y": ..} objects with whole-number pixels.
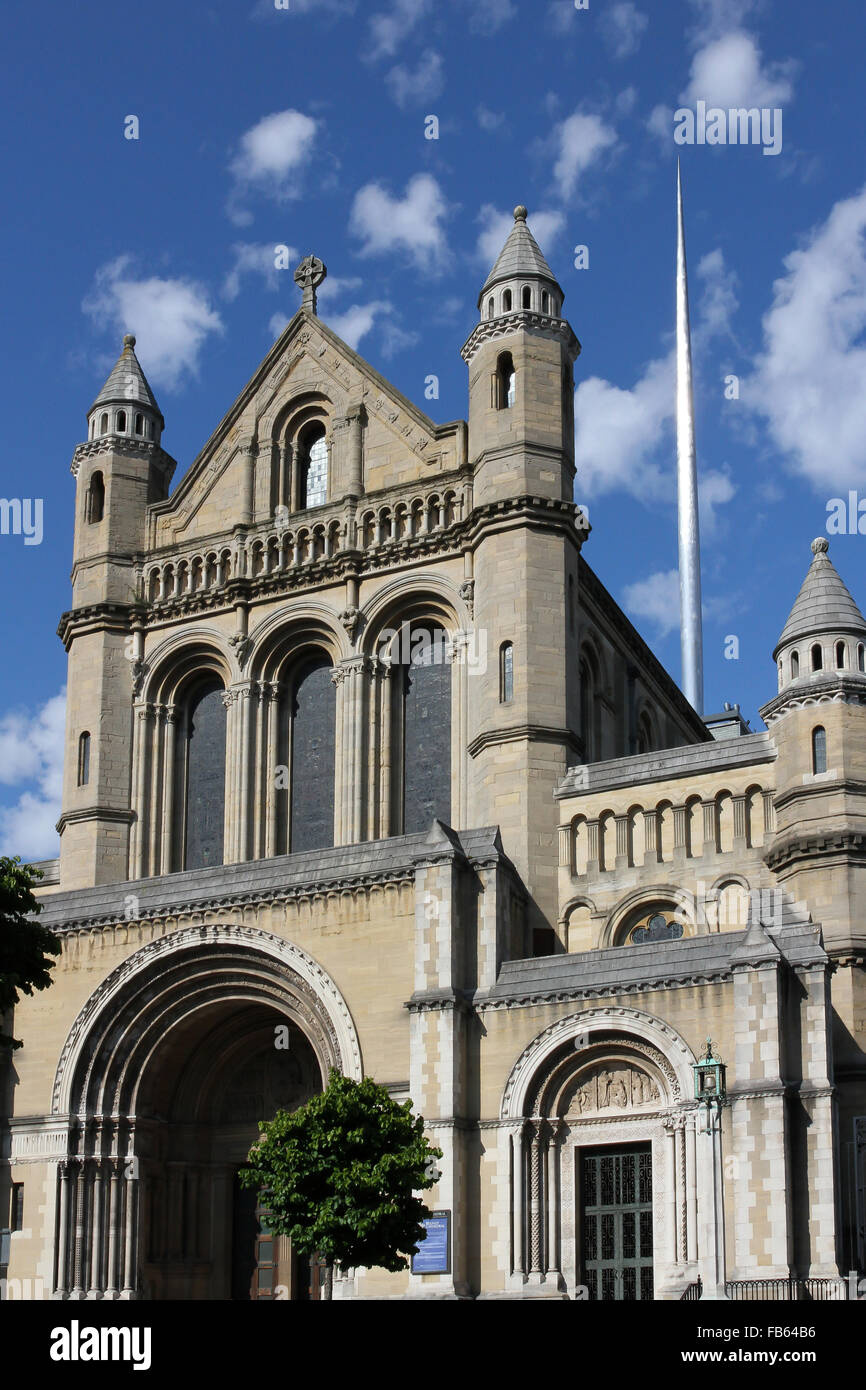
[
  {"x": 541, "y": 1162},
  {"x": 96, "y": 1250},
  {"x": 368, "y": 761}
]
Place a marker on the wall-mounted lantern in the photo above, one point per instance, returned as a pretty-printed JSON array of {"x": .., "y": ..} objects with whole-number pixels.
[{"x": 710, "y": 1086}]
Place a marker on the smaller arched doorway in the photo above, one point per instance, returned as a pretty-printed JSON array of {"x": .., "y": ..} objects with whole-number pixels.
[{"x": 603, "y": 1159}]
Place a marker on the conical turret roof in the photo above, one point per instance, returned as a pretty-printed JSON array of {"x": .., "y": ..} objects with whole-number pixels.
[
  {"x": 127, "y": 382},
  {"x": 520, "y": 256},
  {"x": 823, "y": 603}
]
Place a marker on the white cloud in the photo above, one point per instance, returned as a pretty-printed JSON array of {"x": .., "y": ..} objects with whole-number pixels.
[
  {"x": 255, "y": 258},
  {"x": 719, "y": 300},
  {"x": 419, "y": 85},
  {"x": 715, "y": 488},
  {"x": 626, "y": 101},
  {"x": 729, "y": 72},
  {"x": 356, "y": 321},
  {"x": 31, "y": 752},
  {"x": 389, "y": 28},
  {"x": 271, "y": 157},
  {"x": 579, "y": 142},
  {"x": 336, "y": 285},
  {"x": 617, "y": 431},
  {"x": 170, "y": 318},
  {"x": 277, "y": 322},
  {"x": 655, "y": 599},
  {"x": 496, "y": 226},
  {"x": 622, "y": 27},
  {"x": 809, "y": 382},
  {"x": 489, "y": 120},
  {"x": 412, "y": 224},
  {"x": 488, "y": 16},
  {"x": 660, "y": 123}
]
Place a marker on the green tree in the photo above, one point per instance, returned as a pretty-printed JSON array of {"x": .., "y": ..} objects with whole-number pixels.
[
  {"x": 24, "y": 943},
  {"x": 340, "y": 1175}
]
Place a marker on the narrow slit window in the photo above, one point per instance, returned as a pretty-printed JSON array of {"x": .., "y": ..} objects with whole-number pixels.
[
  {"x": 121, "y": 422},
  {"x": 861, "y": 657},
  {"x": 139, "y": 424},
  {"x": 505, "y": 382},
  {"x": 84, "y": 760},
  {"x": 795, "y": 665},
  {"x": 506, "y": 302},
  {"x": 819, "y": 749},
  {"x": 527, "y": 297},
  {"x": 506, "y": 673},
  {"x": 817, "y": 658},
  {"x": 95, "y": 502},
  {"x": 840, "y": 656},
  {"x": 103, "y": 424}
]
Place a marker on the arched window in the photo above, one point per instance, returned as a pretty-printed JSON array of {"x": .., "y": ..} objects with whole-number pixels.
[
  {"x": 92, "y": 426},
  {"x": 659, "y": 926},
  {"x": 861, "y": 657},
  {"x": 840, "y": 656},
  {"x": 819, "y": 749},
  {"x": 103, "y": 424},
  {"x": 588, "y": 686},
  {"x": 506, "y": 302},
  {"x": 313, "y": 460},
  {"x": 795, "y": 665},
  {"x": 506, "y": 672},
  {"x": 422, "y": 690},
  {"x": 545, "y": 301},
  {"x": 313, "y": 741},
  {"x": 121, "y": 422},
  {"x": 83, "y": 759},
  {"x": 94, "y": 508},
  {"x": 504, "y": 382},
  {"x": 817, "y": 657},
  {"x": 204, "y": 769},
  {"x": 490, "y": 307},
  {"x": 139, "y": 424},
  {"x": 527, "y": 297},
  {"x": 644, "y": 733}
]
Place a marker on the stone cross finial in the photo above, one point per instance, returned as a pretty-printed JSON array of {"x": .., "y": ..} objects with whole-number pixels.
[{"x": 309, "y": 275}]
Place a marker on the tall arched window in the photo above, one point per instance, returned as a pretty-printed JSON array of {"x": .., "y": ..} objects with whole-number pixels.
[
  {"x": 587, "y": 709},
  {"x": 121, "y": 422},
  {"x": 103, "y": 424},
  {"x": 94, "y": 508},
  {"x": 139, "y": 424},
  {"x": 819, "y": 749},
  {"x": 506, "y": 672},
  {"x": 313, "y": 728},
  {"x": 817, "y": 657},
  {"x": 506, "y": 302},
  {"x": 527, "y": 297},
  {"x": 83, "y": 759},
  {"x": 313, "y": 462},
  {"x": 490, "y": 307},
  {"x": 795, "y": 665},
  {"x": 504, "y": 382},
  {"x": 840, "y": 656},
  {"x": 861, "y": 657},
  {"x": 423, "y": 715},
  {"x": 644, "y": 733},
  {"x": 204, "y": 773},
  {"x": 545, "y": 301}
]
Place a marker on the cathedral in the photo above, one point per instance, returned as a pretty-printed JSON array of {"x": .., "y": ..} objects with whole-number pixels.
[{"x": 362, "y": 755}]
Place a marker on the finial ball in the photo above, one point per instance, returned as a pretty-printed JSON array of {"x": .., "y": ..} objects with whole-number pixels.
[
  {"x": 820, "y": 545},
  {"x": 129, "y": 340},
  {"x": 520, "y": 213}
]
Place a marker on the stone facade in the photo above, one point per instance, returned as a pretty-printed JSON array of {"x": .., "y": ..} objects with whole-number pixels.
[{"x": 539, "y": 966}]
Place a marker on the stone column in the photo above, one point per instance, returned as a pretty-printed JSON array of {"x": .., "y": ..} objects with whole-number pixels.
[
  {"x": 553, "y": 1263},
  {"x": 271, "y": 757},
  {"x": 592, "y": 850},
  {"x": 622, "y": 847},
  {"x": 739, "y": 805},
  {"x": 78, "y": 1273},
  {"x": 167, "y": 857},
  {"x": 354, "y": 419},
  {"x": 816, "y": 1096},
  {"x": 710, "y": 827},
  {"x": 536, "y": 1214},
  {"x": 130, "y": 1271},
  {"x": 233, "y": 761},
  {"x": 691, "y": 1190},
  {"x": 138, "y": 831},
  {"x": 96, "y": 1234},
  {"x": 248, "y": 698},
  {"x": 248, "y": 451},
  {"x": 651, "y": 837},
  {"x": 111, "y": 1275},
  {"x": 518, "y": 1182},
  {"x": 680, "y": 834},
  {"x": 156, "y": 788},
  {"x": 671, "y": 1241},
  {"x": 352, "y": 678},
  {"x": 62, "y": 1285}
]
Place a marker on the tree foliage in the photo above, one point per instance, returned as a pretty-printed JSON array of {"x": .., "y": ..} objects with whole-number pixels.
[
  {"x": 339, "y": 1175},
  {"x": 24, "y": 944}
]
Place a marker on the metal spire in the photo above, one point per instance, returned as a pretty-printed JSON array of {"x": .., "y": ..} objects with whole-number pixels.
[{"x": 687, "y": 485}]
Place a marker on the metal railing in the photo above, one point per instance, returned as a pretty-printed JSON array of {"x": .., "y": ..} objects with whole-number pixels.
[
  {"x": 786, "y": 1290},
  {"x": 692, "y": 1291}
]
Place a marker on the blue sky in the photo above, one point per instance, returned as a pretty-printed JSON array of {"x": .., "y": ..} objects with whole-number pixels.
[{"x": 305, "y": 127}]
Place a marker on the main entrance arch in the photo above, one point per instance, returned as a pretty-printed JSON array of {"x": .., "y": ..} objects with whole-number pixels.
[{"x": 164, "y": 1077}]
